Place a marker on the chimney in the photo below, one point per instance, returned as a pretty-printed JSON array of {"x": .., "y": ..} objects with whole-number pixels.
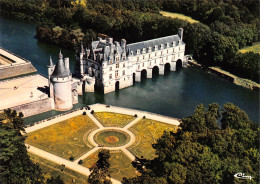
[{"x": 180, "y": 33}]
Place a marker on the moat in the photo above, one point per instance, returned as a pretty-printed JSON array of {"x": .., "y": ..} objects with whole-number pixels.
[{"x": 175, "y": 94}]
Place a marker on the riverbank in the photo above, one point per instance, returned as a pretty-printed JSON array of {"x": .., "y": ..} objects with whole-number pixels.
[{"x": 224, "y": 74}]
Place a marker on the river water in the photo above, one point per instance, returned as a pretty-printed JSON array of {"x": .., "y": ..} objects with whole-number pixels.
[{"x": 175, "y": 94}]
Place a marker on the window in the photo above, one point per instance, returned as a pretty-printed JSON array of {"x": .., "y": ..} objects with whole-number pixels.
[
  {"x": 110, "y": 61},
  {"x": 179, "y": 48},
  {"x": 167, "y": 51},
  {"x": 143, "y": 64},
  {"x": 161, "y": 46},
  {"x": 117, "y": 59},
  {"x": 166, "y": 57},
  {"x": 110, "y": 76},
  {"x": 143, "y": 56},
  {"x": 155, "y": 54},
  {"x": 117, "y": 65},
  {"x": 138, "y": 51},
  {"x": 123, "y": 65},
  {"x": 123, "y": 58},
  {"x": 138, "y": 66},
  {"x": 155, "y": 47},
  {"x": 116, "y": 73},
  {"x": 150, "y": 64},
  {"x": 173, "y": 50},
  {"x": 137, "y": 58},
  {"x": 123, "y": 72},
  {"x": 161, "y": 53},
  {"x": 149, "y": 56},
  {"x": 110, "y": 68}
]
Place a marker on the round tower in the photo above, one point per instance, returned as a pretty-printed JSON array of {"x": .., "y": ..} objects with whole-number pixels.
[{"x": 61, "y": 82}]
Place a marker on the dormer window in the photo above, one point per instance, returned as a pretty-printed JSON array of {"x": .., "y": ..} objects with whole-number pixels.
[
  {"x": 156, "y": 47},
  {"x": 168, "y": 45},
  {"x": 138, "y": 51},
  {"x": 144, "y": 50},
  {"x": 173, "y": 44},
  {"x": 117, "y": 58},
  {"x": 150, "y": 49},
  {"x": 161, "y": 46},
  {"x": 132, "y": 53}
]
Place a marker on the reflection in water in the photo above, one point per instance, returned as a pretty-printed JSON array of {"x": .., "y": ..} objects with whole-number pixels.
[{"x": 175, "y": 94}]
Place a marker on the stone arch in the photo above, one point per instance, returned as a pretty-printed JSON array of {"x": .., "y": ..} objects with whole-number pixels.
[
  {"x": 133, "y": 78},
  {"x": 167, "y": 67},
  {"x": 144, "y": 73},
  {"x": 117, "y": 86},
  {"x": 155, "y": 71},
  {"x": 178, "y": 64}
]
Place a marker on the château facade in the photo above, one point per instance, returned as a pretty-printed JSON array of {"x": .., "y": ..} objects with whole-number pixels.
[{"x": 109, "y": 66}]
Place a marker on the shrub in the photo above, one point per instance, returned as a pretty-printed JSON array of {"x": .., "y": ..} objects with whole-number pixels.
[
  {"x": 92, "y": 112},
  {"x": 80, "y": 162},
  {"x": 143, "y": 117},
  {"x": 84, "y": 113},
  {"x": 135, "y": 115},
  {"x": 71, "y": 158}
]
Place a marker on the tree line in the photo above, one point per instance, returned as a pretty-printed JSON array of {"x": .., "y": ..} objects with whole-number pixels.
[{"x": 225, "y": 26}]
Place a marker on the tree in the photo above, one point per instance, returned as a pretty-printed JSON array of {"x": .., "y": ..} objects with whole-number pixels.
[
  {"x": 100, "y": 171},
  {"x": 203, "y": 151},
  {"x": 16, "y": 166}
]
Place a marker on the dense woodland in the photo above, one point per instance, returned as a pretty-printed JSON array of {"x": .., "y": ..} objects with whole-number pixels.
[
  {"x": 225, "y": 25},
  {"x": 210, "y": 146}
]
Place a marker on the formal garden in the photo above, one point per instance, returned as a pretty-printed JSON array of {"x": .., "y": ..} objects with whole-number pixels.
[
  {"x": 147, "y": 131},
  {"x": 71, "y": 140},
  {"x": 110, "y": 119},
  {"x": 120, "y": 164},
  {"x": 65, "y": 139}
]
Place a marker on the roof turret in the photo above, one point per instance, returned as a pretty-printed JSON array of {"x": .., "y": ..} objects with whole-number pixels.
[
  {"x": 51, "y": 63},
  {"x": 60, "y": 70}
]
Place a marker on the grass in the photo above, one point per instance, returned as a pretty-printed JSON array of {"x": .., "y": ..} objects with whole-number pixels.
[
  {"x": 120, "y": 164},
  {"x": 179, "y": 16},
  {"x": 111, "y": 138},
  {"x": 254, "y": 48},
  {"x": 65, "y": 139},
  {"x": 52, "y": 169},
  {"x": 147, "y": 132},
  {"x": 110, "y": 119}
]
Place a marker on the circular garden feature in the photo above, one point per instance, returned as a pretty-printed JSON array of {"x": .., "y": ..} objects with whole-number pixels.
[{"x": 111, "y": 138}]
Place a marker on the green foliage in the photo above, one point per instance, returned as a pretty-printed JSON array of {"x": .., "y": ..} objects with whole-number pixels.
[
  {"x": 71, "y": 158},
  {"x": 55, "y": 180},
  {"x": 226, "y": 26},
  {"x": 100, "y": 171},
  {"x": 202, "y": 151},
  {"x": 16, "y": 166}
]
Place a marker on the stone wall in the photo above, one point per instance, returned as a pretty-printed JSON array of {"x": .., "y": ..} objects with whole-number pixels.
[
  {"x": 33, "y": 108},
  {"x": 16, "y": 70}
]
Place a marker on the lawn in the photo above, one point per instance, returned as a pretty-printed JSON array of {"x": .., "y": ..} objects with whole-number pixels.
[
  {"x": 120, "y": 164},
  {"x": 52, "y": 169},
  {"x": 147, "y": 132},
  {"x": 179, "y": 16},
  {"x": 65, "y": 139},
  {"x": 110, "y": 119},
  {"x": 254, "y": 48}
]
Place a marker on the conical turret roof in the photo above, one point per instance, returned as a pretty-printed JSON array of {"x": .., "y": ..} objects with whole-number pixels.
[{"x": 60, "y": 70}]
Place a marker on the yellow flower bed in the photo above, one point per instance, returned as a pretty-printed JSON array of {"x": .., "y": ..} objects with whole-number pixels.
[
  {"x": 147, "y": 132},
  {"x": 66, "y": 138},
  {"x": 110, "y": 119}
]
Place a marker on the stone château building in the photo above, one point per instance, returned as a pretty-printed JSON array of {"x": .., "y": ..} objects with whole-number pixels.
[{"x": 109, "y": 66}]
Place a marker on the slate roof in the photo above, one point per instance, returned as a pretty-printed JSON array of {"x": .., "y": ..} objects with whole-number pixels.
[
  {"x": 151, "y": 43},
  {"x": 60, "y": 71}
]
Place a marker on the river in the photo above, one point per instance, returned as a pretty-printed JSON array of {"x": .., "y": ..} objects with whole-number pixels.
[{"x": 175, "y": 94}]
